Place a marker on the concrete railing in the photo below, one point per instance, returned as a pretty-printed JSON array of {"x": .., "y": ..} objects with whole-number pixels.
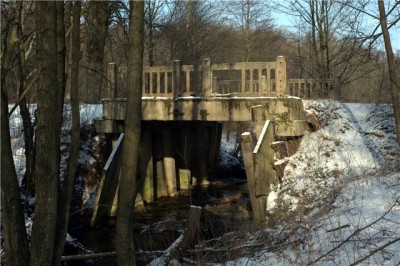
[
  {"x": 246, "y": 79},
  {"x": 313, "y": 88},
  {"x": 237, "y": 79}
]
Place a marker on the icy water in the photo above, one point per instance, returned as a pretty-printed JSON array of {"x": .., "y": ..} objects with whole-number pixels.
[{"x": 225, "y": 205}]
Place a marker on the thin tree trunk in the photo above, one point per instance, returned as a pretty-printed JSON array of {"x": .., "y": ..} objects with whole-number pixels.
[
  {"x": 394, "y": 87},
  {"x": 24, "y": 111},
  {"x": 16, "y": 245},
  {"x": 130, "y": 149},
  {"x": 47, "y": 135},
  {"x": 66, "y": 192}
]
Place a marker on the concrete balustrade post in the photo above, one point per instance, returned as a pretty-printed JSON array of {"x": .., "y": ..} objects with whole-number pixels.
[
  {"x": 177, "y": 86},
  {"x": 206, "y": 80},
  {"x": 112, "y": 80},
  {"x": 280, "y": 76}
]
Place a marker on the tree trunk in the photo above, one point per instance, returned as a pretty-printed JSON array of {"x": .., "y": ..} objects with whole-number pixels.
[
  {"x": 16, "y": 245},
  {"x": 23, "y": 108},
  {"x": 130, "y": 149},
  {"x": 97, "y": 19},
  {"x": 66, "y": 191},
  {"x": 47, "y": 135},
  {"x": 394, "y": 86}
]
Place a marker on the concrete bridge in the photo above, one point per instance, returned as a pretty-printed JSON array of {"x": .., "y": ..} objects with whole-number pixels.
[{"x": 183, "y": 108}]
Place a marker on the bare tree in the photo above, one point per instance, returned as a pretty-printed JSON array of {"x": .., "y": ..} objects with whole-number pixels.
[
  {"x": 190, "y": 32},
  {"x": 154, "y": 19},
  {"x": 47, "y": 135},
  {"x": 67, "y": 186},
  {"x": 16, "y": 245},
  {"x": 394, "y": 86},
  {"x": 97, "y": 18},
  {"x": 130, "y": 149},
  {"x": 252, "y": 19}
]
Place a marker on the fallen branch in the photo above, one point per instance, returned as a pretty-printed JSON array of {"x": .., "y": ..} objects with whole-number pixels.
[
  {"x": 356, "y": 232},
  {"x": 338, "y": 228},
  {"x": 184, "y": 241},
  {"x": 374, "y": 251},
  {"x": 89, "y": 256}
]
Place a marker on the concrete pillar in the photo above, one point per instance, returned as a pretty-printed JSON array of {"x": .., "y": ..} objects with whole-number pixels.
[
  {"x": 177, "y": 71},
  {"x": 169, "y": 162},
  {"x": 201, "y": 155},
  {"x": 160, "y": 184},
  {"x": 280, "y": 76},
  {"x": 214, "y": 139},
  {"x": 146, "y": 166},
  {"x": 112, "y": 80},
  {"x": 206, "y": 80},
  {"x": 183, "y": 142}
]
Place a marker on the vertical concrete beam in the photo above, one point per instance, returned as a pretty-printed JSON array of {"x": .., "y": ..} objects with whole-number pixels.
[
  {"x": 177, "y": 86},
  {"x": 160, "y": 184},
  {"x": 215, "y": 85},
  {"x": 214, "y": 144},
  {"x": 243, "y": 79},
  {"x": 280, "y": 75},
  {"x": 206, "y": 80},
  {"x": 201, "y": 155},
  {"x": 146, "y": 166},
  {"x": 112, "y": 80},
  {"x": 183, "y": 157},
  {"x": 169, "y": 162}
]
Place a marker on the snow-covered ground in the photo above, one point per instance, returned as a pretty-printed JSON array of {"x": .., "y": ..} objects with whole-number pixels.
[
  {"x": 340, "y": 196},
  {"x": 340, "y": 192}
]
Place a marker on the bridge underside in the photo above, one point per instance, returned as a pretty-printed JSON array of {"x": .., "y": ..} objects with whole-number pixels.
[
  {"x": 180, "y": 144},
  {"x": 287, "y": 113}
]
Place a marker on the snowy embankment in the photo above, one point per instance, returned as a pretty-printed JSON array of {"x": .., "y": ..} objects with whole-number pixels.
[
  {"x": 340, "y": 193},
  {"x": 88, "y": 112}
]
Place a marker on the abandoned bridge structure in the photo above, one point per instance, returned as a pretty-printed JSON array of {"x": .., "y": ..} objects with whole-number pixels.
[{"x": 183, "y": 110}]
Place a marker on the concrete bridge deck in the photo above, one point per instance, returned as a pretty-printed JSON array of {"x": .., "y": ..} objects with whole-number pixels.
[{"x": 286, "y": 112}]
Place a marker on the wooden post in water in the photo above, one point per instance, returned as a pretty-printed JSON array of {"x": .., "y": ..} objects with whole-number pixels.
[
  {"x": 112, "y": 80},
  {"x": 206, "y": 79},
  {"x": 280, "y": 76},
  {"x": 247, "y": 150},
  {"x": 177, "y": 87}
]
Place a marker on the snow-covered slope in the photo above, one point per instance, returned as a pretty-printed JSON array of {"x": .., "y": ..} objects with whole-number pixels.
[{"x": 340, "y": 194}]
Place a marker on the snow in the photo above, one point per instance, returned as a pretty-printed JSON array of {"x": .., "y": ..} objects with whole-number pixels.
[
  {"x": 340, "y": 190},
  {"x": 342, "y": 187}
]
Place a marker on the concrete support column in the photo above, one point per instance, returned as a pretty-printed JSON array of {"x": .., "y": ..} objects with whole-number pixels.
[
  {"x": 160, "y": 184},
  {"x": 169, "y": 162},
  {"x": 202, "y": 140},
  {"x": 184, "y": 145},
  {"x": 280, "y": 76},
  {"x": 215, "y": 132},
  {"x": 146, "y": 166}
]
